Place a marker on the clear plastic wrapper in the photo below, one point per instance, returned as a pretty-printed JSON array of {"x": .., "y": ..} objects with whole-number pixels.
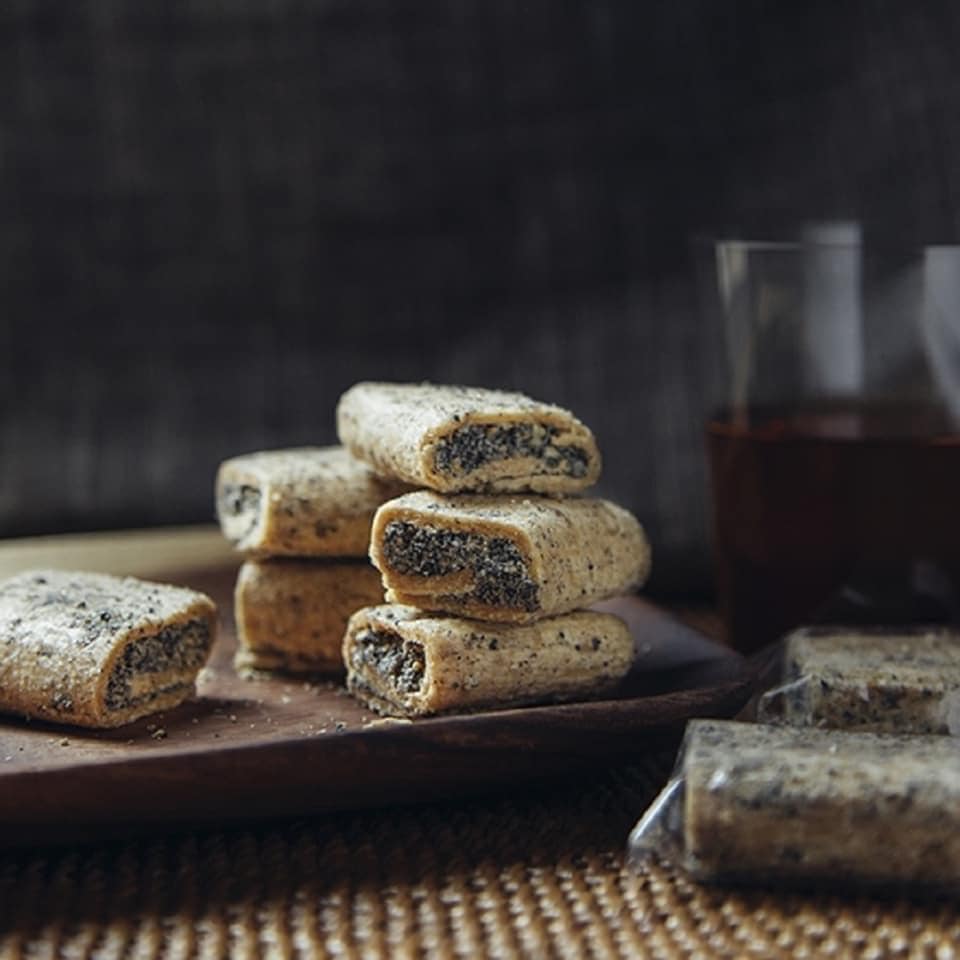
[
  {"x": 885, "y": 680},
  {"x": 750, "y": 803}
]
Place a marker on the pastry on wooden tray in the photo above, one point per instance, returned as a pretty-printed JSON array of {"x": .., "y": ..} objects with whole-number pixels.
[
  {"x": 506, "y": 558},
  {"x": 403, "y": 662},
  {"x": 96, "y": 650},
  {"x": 453, "y": 439},
  {"x": 291, "y": 614},
  {"x": 308, "y": 501}
]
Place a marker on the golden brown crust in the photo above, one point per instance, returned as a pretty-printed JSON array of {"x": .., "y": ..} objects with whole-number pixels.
[
  {"x": 453, "y": 438},
  {"x": 507, "y": 558},
  {"x": 303, "y": 502},
  {"x": 291, "y": 614},
  {"x": 99, "y": 651},
  {"x": 403, "y": 662}
]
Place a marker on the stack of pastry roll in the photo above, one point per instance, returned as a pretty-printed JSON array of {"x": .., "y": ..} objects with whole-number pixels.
[
  {"x": 302, "y": 519},
  {"x": 488, "y": 567}
]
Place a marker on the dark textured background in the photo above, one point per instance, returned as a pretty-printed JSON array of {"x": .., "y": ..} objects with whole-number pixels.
[{"x": 216, "y": 216}]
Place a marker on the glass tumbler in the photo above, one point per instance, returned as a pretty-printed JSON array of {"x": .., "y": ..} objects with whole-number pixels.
[{"x": 833, "y": 448}]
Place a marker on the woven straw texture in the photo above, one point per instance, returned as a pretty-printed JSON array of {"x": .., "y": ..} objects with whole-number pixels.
[{"x": 540, "y": 874}]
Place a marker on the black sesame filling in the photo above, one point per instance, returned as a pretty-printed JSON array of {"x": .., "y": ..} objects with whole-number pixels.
[
  {"x": 238, "y": 500},
  {"x": 398, "y": 661},
  {"x": 475, "y": 445},
  {"x": 183, "y": 648},
  {"x": 499, "y": 572}
]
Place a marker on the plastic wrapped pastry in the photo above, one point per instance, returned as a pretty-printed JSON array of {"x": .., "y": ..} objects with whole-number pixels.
[
  {"x": 759, "y": 804},
  {"x": 904, "y": 680}
]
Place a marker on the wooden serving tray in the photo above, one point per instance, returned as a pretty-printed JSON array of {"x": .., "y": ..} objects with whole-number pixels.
[{"x": 248, "y": 749}]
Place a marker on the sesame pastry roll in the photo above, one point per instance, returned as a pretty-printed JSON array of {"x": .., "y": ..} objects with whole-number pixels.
[
  {"x": 885, "y": 679},
  {"x": 403, "y": 662},
  {"x": 304, "y": 502},
  {"x": 99, "y": 651},
  {"x": 453, "y": 439},
  {"x": 508, "y": 558},
  {"x": 291, "y": 614}
]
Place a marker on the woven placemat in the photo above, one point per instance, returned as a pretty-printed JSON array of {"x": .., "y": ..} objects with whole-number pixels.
[{"x": 538, "y": 874}]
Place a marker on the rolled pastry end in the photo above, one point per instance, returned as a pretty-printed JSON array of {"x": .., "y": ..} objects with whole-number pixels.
[
  {"x": 541, "y": 454},
  {"x": 155, "y": 670},
  {"x": 486, "y": 575},
  {"x": 239, "y": 510},
  {"x": 387, "y": 671},
  {"x": 403, "y": 662}
]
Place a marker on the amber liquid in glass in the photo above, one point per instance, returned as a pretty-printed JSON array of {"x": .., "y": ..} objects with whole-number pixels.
[{"x": 840, "y": 513}]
